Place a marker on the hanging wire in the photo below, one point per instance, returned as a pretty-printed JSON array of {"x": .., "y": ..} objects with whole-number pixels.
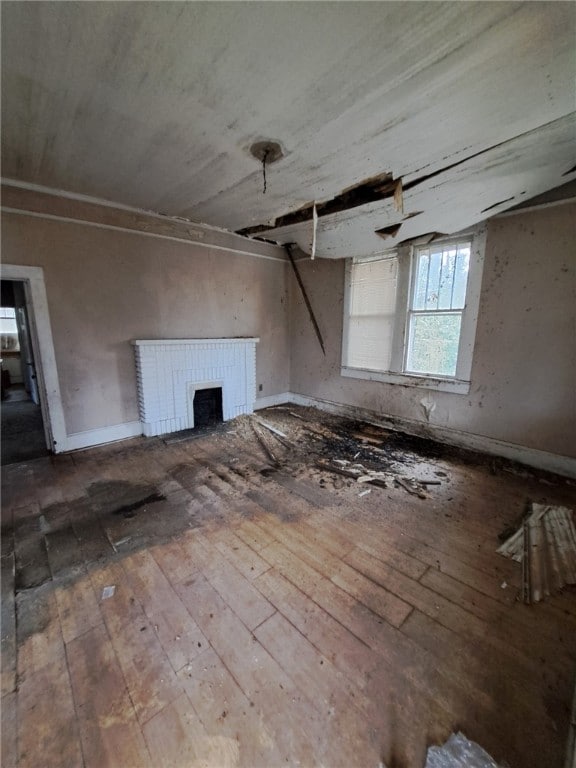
[{"x": 264, "y": 157}]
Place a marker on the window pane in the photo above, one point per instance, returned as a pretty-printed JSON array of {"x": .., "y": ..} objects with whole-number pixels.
[
  {"x": 433, "y": 344},
  {"x": 461, "y": 277},
  {"x": 441, "y": 277},
  {"x": 433, "y": 280},
  {"x": 447, "y": 279},
  {"x": 421, "y": 281}
]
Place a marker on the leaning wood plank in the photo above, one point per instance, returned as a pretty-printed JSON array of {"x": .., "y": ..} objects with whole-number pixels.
[
  {"x": 108, "y": 726},
  {"x": 47, "y": 727},
  {"x": 313, "y": 320}
]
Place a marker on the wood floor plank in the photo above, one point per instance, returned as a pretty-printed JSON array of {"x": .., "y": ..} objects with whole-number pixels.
[
  {"x": 225, "y": 711},
  {"x": 177, "y": 631},
  {"x": 252, "y": 535},
  {"x": 262, "y": 680},
  {"x": 47, "y": 727},
  {"x": 264, "y": 632},
  {"x": 376, "y": 632},
  {"x": 350, "y": 655},
  {"x": 436, "y": 606},
  {"x": 237, "y": 552},
  {"x": 321, "y": 682},
  {"x": 109, "y": 730},
  {"x": 8, "y": 624},
  {"x": 246, "y": 601},
  {"x": 175, "y": 735},
  {"x": 78, "y": 608},
  {"x": 150, "y": 678},
  {"x": 383, "y": 602},
  {"x": 38, "y": 631},
  {"x": 9, "y": 730},
  {"x": 173, "y": 560}
]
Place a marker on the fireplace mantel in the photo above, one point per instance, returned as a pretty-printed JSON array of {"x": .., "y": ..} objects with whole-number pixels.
[{"x": 169, "y": 371}]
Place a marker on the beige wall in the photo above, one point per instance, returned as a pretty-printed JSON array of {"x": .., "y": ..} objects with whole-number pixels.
[
  {"x": 106, "y": 287},
  {"x": 524, "y": 371}
]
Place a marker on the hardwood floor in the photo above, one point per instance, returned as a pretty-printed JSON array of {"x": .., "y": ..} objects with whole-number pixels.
[{"x": 270, "y": 618}]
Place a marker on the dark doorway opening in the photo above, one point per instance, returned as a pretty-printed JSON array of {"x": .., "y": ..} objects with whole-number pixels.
[
  {"x": 23, "y": 436},
  {"x": 208, "y": 407}
]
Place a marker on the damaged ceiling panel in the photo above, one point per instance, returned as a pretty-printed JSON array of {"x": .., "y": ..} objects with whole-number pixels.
[
  {"x": 156, "y": 106},
  {"x": 459, "y": 193}
]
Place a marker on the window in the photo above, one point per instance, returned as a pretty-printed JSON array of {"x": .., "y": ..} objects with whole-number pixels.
[
  {"x": 410, "y": 315},
  {"x": 438, "y": 297},
  {"x": 8, "y": 329}
]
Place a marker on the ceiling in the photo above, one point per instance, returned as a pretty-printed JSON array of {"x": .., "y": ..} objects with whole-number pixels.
[{"x": 156, "y": 105}]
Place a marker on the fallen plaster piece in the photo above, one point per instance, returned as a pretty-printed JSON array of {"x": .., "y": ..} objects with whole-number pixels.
[
  {"x": 364, "y": 493},
  {"x": 545, "y": 544},
  {"x": 459, "y": 752},
  {"x": 108, "y": 592}
]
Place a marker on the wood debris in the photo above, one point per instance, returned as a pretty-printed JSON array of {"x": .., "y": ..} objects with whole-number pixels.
[
  {"x": 545, "y": 544},
  {"x": 412, "y": 486},
  {"x": 267, "y": 450},
  {"x": 356, "y": 472}
]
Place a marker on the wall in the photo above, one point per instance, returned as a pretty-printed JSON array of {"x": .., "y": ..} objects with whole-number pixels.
[
  {"x": 524, "y": 368},
  {"x": 107, "y": 287}
]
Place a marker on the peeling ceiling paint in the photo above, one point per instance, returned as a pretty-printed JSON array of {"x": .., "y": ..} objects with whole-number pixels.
[{"x": 156, "y": 106}]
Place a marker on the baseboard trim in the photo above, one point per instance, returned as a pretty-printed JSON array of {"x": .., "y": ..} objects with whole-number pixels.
[
  {"x": 93, "y": 437},
  {"x": 532, "y": 457},
  {"x": 272, "y": 400}
]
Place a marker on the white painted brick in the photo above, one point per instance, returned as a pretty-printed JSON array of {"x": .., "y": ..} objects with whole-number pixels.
[{"x": 166, "y": 370}]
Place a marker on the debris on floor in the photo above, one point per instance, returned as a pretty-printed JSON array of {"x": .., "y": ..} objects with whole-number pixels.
[
  {"x": 108, "y": 592},
  {"x": 545, "y": 544},
  {"x": 459, "y": 752}
]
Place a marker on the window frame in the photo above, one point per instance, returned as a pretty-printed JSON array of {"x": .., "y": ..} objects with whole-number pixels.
[{"x": 460, "y": 383}]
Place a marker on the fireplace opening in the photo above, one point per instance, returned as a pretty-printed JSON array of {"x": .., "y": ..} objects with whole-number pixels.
[{"x": 208, "y": 407}]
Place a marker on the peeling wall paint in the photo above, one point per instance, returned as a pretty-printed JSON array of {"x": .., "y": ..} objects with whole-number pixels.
[{"x": 524, "y": 368}]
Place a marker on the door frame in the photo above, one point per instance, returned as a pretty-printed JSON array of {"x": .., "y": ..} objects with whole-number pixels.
[{"x": 43, "y": 351}]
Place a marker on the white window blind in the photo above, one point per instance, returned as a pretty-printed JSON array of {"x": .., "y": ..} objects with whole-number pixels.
[{"x": 372, "y": 307}]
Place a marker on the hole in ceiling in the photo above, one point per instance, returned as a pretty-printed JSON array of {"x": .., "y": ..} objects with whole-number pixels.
[
  {"x": 368, "y": 191},
  {"x": 266, "y": 151},
  {"x": 387, "y": 232}
]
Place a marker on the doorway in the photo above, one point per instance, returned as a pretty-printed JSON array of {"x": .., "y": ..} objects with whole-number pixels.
[{"x": 23, "y": 429}]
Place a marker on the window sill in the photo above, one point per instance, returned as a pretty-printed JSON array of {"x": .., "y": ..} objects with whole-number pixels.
[{"x": 457, "y": 386}]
